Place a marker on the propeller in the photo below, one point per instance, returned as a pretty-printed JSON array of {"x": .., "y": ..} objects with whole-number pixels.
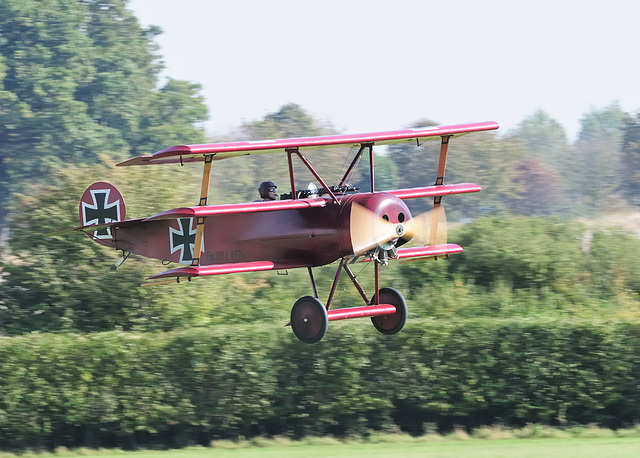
[
  {"x": 369, "y": 230},
  {"x": 429, "y": 228}
]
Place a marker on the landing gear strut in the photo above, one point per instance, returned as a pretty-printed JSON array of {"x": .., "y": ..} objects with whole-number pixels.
[{"x": 310, "y": 317}]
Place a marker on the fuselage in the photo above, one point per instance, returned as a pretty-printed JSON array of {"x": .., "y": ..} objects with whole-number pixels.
[{"x": 290, "y": 238}]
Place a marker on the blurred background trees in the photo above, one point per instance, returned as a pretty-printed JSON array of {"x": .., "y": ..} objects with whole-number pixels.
[
  {"x": 80, "y": 79},
  {"x": 80, "y": 91}
]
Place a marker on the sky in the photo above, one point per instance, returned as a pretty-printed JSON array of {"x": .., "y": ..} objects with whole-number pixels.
[{"x": 378, "y": 65}]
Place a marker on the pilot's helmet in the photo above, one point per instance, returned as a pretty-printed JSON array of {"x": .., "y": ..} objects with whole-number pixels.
[{"x": 264, "y": 188}]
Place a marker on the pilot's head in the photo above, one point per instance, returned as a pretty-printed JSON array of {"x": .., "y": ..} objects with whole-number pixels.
[{"x": 268, "y": 190}]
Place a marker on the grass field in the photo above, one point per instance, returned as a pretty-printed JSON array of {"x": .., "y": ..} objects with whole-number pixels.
[{"x": 598, "y": 447}]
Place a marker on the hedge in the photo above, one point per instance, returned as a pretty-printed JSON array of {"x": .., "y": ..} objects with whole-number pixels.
[{"x": 192, "y": 386}]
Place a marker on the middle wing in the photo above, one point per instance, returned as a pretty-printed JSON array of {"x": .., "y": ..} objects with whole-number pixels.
[
  {"x": 436, "y": 190},
  {"x": 228, "y": 209}
]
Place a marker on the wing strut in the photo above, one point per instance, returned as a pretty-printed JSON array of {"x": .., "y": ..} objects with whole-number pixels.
[
  {"x": 363, "y": 146},
  {"x": 204, "y": 196},
  {"x": 442, "y": 163},
  {"x": 304, "y": 160},
  {"x": 444, "y": 147},
  {"x": 371, "y": 173},
  {"x": 352, "y": 165}
]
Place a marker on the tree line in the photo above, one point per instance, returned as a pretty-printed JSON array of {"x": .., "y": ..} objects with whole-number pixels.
[
  {"x": 81, "y": 91},
  {"x": 80, "y": 84}
]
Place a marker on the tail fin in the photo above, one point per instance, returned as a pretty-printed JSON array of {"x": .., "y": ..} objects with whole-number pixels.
[{"x": 101, "y": 203}]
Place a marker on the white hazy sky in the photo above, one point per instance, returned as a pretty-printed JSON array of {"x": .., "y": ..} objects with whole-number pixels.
[{"x": 371, "y": 65}]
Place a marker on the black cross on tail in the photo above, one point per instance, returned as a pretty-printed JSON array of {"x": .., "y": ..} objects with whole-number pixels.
[{"x": 101, "y": 212}]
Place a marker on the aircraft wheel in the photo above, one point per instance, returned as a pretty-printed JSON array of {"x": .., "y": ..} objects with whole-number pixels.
[
  {"x": 309, "y": 319},
  {"x": 391, "y": 324}
]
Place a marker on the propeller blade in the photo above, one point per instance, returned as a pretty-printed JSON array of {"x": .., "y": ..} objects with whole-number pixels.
[
  {"x": 368, "y": 229},
  {"x": 429, "y": 228}
]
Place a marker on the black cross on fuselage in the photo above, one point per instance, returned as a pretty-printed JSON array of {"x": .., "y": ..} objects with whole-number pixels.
[
  {"x": 100, "y": 212},
  {"x": 183, "y": 240}
]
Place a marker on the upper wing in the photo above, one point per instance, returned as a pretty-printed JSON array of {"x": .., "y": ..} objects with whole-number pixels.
[{"x": 195, "y": 153}]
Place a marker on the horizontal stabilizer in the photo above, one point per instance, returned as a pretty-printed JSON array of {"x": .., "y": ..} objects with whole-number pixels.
[
  {"x": 437, "y": 190},
  {"x": 96, "y": 227},
  {"x": 216, "y": 269}
]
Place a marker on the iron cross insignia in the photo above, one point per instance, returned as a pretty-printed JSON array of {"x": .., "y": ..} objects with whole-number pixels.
[
  {"x": 100, "y": 211},
  {"x": 183, "y": 239}
]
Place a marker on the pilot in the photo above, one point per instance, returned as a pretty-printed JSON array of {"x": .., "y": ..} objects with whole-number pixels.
[{"x": 267, "y": 191}]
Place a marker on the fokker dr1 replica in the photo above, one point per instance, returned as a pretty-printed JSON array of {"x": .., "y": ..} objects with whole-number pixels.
[{"x": 306, "y": 230}]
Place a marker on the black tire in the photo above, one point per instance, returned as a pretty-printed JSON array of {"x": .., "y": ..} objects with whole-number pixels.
[
  {"x": 309, "y": 319},
  {"x": 391, "y": 324}
]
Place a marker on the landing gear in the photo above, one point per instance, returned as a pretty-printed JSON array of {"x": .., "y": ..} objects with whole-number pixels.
[
  {"x": 391, "y": 324},
  {"x": 309, "y": 319}
]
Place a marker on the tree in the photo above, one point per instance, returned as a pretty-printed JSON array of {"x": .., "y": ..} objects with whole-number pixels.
[
  {"x": 174, "y": 116},
  {"x": 489, "y": 160},
  {"x": 289, "y": 121},
  {"x": 78, "y": 80},
  {"x": 544, "y": 138},
  {"x": 630, "y": 160},
  {"x": 596, "y": 160},
  {"x": 78, "y": 85},
  {"x": 607, "y": 122},
  {"x": 541, "y": 194}
]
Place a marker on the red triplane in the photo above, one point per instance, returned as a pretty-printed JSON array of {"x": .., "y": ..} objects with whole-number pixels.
[{"x": 334, "y": 223}]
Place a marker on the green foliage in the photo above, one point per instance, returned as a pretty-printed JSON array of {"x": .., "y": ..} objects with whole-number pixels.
[
  {"x": 630, "y": 160},
  {"x": 54, "y": 283},
  {"x": 529, "y": 267},
  {"x": 597, "y": 157},
  {"x": 527, "y": 253},
  {"x": 77, "y": 81},
  {"x": 544, "y": 138},
  {"x": 614, "y": 263},
  {"x": 195, "y": 385}
]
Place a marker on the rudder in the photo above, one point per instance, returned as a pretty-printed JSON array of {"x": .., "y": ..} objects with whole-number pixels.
[{"x": 101, "y": 203}]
